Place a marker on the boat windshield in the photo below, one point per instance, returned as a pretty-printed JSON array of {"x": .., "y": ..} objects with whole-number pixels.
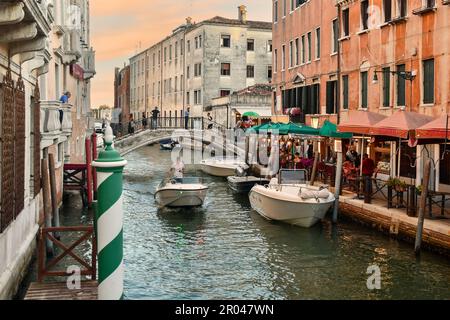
[
  {"x": 185, "y": 180},
  {"x": 292, "y": 177}
]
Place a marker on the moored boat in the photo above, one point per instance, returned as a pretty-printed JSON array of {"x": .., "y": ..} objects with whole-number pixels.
[
  {"x": 222, "y": 167},
  {"x": 292, "y": 200},
  {"x": 186, "y": 192},
  {"x": 245, "y": 184}
]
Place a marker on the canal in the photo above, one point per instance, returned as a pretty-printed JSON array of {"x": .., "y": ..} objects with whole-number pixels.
[{"x": 226, "y": 251}]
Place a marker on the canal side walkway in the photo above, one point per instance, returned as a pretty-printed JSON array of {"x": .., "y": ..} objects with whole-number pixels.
[{"x": 395, "y": 222}]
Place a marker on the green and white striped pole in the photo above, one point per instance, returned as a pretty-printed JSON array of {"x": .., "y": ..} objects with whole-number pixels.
[{"x": 109, "y": 219}]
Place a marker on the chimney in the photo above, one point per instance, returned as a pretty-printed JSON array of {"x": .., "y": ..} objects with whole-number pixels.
[
  {"x": 242, "y": 13},
  {"x": 188, "y": 21}
]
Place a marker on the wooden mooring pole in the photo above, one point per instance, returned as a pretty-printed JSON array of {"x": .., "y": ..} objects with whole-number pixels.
[
  {"x": 54, "y": 193},
  {"x": 316, "y": 163},
  {"x": 423, "y": 205},
  {"x": 340, "y": 161},
  {"x": 47, "y": 206}
]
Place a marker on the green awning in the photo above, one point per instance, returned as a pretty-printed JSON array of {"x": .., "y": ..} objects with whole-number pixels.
[
  {"x": 285, "y": 129},
  {"x": 330, "y": 130},
  {"x": 251, "y": 114}
]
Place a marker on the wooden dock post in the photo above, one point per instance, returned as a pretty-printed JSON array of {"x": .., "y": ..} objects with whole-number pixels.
[
  {"x": 422, "y": 207},
  {"x": 47, "y": 206},
  {"x": 316, "y": 163},
  {"x": 338, "y": 182},
  {"x": 89, "y": 171},
  {"x": 94, "y": 157},
  {"x": 54, "y": 193}
]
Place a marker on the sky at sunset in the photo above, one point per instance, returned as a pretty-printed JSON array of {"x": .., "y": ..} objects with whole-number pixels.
[{"x": 117, "y": 28}]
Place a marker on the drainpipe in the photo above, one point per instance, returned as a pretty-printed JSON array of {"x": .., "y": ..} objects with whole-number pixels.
[{"x": 338, "y": 86}]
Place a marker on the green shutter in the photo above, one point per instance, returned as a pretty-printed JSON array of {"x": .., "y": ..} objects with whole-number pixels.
[
  {"x": 364, "y": 89},
  {"x": 345, "y": 92},
  {"x": 386, "y": 87},
  {"x": 428, "y": 81},
  {"x": 401, "y": 87}
]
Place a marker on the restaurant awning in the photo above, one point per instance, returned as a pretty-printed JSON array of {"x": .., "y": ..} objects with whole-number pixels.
[
  {"x": 263, "y": 112},
  {"x": 360, "y": 122},
  {"x": 284, "y": 129},
  {"x": 437, "y": 129},
  {"x": 400, "y": 124},
  {"x": 330, "y": 130}
]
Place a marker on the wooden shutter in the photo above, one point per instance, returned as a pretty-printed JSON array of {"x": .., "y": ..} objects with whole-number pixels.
[
  {"x": 345, "y": 92},
  {"x": 19, "y": 147},
  {"x": 36, "y": 141},
  {"x": 7, "y": 151},
  {"x": 401, "y": 87},
  {"x": 364, "y": 89},
  {"x": 428, "y": 81},
  {"x": 386, "y": 87}
]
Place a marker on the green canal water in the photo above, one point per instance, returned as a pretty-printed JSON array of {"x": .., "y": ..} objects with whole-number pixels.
[{"x": 226, "y": 251}]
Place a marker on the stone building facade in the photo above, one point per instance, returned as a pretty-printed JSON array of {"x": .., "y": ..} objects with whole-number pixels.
[
  {"x": 198, "y": 62},
  {"x": 122, "y": 96},
  {"x": 44, "y": 51}
]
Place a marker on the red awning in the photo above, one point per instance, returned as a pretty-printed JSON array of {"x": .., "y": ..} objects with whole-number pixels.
[
  {"x": 360, "y": 122},
  {"x": 437, "y": 129},
  {"x": 400, "y": 124}
]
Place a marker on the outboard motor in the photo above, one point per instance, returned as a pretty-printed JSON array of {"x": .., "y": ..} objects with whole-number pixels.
[{"x": 241, "y": 172}]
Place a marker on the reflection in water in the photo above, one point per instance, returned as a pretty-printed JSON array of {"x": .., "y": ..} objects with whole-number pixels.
[{"x": 226, "y": 251}]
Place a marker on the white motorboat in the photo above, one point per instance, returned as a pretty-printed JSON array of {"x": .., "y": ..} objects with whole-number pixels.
[
  {"x": 186, "y": 192},
  {"x": 223, "y": 167},
  {"x": 289, "y": 199}
]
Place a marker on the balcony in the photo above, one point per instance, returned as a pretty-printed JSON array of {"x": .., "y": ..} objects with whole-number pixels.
[
  {"x": 52, "y": 126},
  {"x": 89, "y": 63},
  {"x": 71, "y": 50}
]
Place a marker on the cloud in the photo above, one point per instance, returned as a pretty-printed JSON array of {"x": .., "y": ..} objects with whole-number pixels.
[{"x": 118, "y": 28}]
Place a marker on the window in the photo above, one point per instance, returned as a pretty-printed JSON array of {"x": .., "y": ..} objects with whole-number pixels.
[
  {"x": 335, "y": 36},
  {"x": 197, "y": 70},
  {"x": 250, "y": 71},
  {"x": 297, "y": 52},
  {"x": 318, "y": 43},
  {"x": 365, "y": 14},
  {"x": 188, "y": 98},
  {"x": 364, "y": 89},
  {"x": 331, "y": 97},
  {"x": 345, "y": 23},
  {"x": 225, "y": 93},
  {"x": 199, "y": 41},
  {"x": 303, "y": 50},
  {"x": 401, "y": 8},
  {"x": 197, "y": 97},
  {"x": 292, "y": 5},
  {"x": 196, "y": 42},
  {"x": 225, "y": 69},
  {"x": 283, "y": 58},
  {"x": 225, "y": 41},
  {"x": 188, "y": 72},
  {"x": 165, "y": 54},
  {"x": 176, "y": 49},
  {"x": 275, "y": 11},
  {"x": 170, "y": 85},
  {"x": 386, "y": 87},
  {"x": 387, "y": 7},
  {"x": 176, "y": 84},
  {"x": 345, "y": 92},
  {"x": 428, "y": 81},
  {"x": 269, "y": 46},
  {"x": 170, "y": 53},
  {"x": 189, "y": 45},
  {"x": 291, "y": 54},
  {"x": 284, "y": 8},
  {"x": 269, "y": 72},
  {"x": 275, "y": 60},
  {"x": 401, "y": 87},
  {"x": 181, "y": 48},
  {"x": 250, "y": 45},
  {"x": 309, "y": 46}
]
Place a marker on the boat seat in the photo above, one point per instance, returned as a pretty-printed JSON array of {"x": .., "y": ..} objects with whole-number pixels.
[{"x": 311, "y": 194}]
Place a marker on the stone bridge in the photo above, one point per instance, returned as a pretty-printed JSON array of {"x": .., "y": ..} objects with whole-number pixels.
[{"x": 194, "y": 139}]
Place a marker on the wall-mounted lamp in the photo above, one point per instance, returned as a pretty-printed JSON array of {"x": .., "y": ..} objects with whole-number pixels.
[{"x": 407, "y": 75}]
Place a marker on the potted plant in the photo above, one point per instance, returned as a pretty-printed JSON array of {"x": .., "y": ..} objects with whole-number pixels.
[{"x": 397, "y": 184}]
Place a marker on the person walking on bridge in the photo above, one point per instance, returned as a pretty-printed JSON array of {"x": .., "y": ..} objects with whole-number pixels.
[
  {"x": 186, "y": 118},
  {"x": 155, "y": 115}
]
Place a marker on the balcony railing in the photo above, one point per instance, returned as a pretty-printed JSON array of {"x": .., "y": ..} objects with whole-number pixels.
[{"x": 56, "y": 119}]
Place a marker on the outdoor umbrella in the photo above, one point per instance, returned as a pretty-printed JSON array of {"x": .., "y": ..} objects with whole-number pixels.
[
  {"x": 400, "y": 124},
  {"x": 437, "y": 129},
  {"x": 360, "y": 122},
  {"x": 251, "y": 114},
  {"x": 330, "y": 130}
]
